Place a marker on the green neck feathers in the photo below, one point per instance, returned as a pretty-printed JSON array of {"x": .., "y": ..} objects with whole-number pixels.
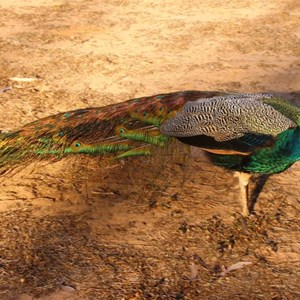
[{"x": 285, "y": 107}]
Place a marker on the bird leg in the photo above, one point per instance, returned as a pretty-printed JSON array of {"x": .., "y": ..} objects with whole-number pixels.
[{"x": 244, "y": 182}]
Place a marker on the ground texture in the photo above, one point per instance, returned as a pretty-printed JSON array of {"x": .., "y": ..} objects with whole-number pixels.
[{"x": 144, "y": 230}]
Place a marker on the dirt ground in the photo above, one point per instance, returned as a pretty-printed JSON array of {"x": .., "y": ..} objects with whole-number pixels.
[{"x": 145, "y": 230}]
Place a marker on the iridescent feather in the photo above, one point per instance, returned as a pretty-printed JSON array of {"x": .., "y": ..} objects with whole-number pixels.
[
  {"x": 126, "y": 129},
  {"x": 247, "y": 133}
]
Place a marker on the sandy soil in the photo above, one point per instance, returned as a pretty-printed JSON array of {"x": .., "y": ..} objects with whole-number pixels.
[{"x": 149, "y": 229}]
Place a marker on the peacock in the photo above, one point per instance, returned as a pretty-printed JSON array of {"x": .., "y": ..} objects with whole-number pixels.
[{"x": 246, "y": 133}]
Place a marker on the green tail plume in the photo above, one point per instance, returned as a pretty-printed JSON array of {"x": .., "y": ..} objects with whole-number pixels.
[{"x": 126, "y": 129}]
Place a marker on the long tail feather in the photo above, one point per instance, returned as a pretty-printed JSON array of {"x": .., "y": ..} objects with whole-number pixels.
[{"x": 130, "y": 128}]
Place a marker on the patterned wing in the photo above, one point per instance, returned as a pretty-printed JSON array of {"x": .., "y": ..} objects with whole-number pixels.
[{"x": 227, "y": 118}]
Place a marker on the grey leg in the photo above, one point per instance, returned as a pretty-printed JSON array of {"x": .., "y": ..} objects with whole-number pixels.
[{"x": 244, "y": 182}]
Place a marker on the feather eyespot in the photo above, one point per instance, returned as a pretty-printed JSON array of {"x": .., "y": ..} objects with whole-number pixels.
[
  {"x": 120, "y": 130},
  {"x": 77, "y": 144},
  {"x": 145, "y": 114}
]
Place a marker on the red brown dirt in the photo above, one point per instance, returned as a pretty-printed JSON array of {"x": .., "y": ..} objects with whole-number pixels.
[{"x": 72, "y": 230}]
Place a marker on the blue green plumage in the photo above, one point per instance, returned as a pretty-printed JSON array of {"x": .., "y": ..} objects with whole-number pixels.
[
  {"x": 253, "y": 133},
  {"x": 269, "y": 160},
  {"x": 247, "y": 133}
]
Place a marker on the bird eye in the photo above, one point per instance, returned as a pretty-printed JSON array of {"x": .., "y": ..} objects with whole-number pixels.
[
  {"x": 145, "y": 114},
  {"x": 122, "y": 130},
  {"x": 77, "y": 144}
]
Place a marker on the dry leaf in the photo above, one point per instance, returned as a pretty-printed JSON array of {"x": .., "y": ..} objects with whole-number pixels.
[
  {"x": 23, "y": 79},
  {"x": 67, "y": 288},
  {"x": 234, "y": 267},
  {"x": 5, "y": 89},
  {"x": 193, "y": 272}
]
